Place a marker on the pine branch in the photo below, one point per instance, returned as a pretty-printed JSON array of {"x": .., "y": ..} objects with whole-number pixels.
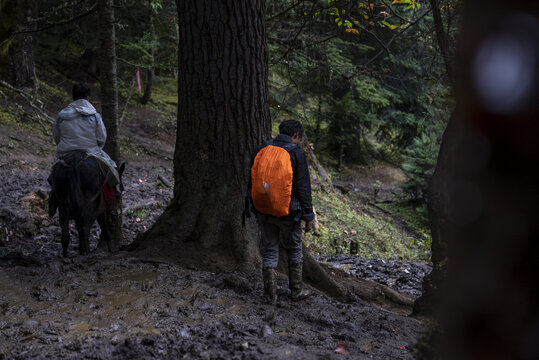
[
  {"x": 285, "y": 11},
  {"x": 49, "y": 25},
  {"x": 61, "y": 7}
]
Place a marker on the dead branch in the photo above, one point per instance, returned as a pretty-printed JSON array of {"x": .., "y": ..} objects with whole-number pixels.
[
  {"x": 410, "y": 24},
  {"x": 164, "y": 180},
  {"x": 131, "y": 91},
  {"x": 395, "y": 12},
  {"x": 39, "y": 112},
  {"x": 295, "y": 37}
]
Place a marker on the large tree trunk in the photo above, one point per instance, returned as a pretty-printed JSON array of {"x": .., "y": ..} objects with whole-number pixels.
[
  {"x": 491, "y": 306},
  {"x": 109, "y": 94},
  {"x": 21, "y": 53},
  {"x": 223, "y": 115}
]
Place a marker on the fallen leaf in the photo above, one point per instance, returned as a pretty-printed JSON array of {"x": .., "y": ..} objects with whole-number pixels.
[
  {"x": 367, "y": 347},
  {"x": 341, "y": 349},
  {"x": 402, "y": 347}
]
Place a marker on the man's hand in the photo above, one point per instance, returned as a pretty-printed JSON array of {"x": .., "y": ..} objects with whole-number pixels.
[{"x": 308, "y": 225}]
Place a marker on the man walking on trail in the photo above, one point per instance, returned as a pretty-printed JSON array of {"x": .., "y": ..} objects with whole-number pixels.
[
  {"x": 280, "y": 187},
  {"x": 80, "y": 127}
]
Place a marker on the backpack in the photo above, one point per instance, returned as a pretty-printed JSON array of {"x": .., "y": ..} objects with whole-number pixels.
[{"x": 271, "y": 179}]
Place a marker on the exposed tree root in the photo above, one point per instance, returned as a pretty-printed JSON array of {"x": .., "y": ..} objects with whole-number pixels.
[{"x": 242, "y": 254}]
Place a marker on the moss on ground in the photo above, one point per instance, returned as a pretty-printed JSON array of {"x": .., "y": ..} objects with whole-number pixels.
[{"x": 344, "y": 221}]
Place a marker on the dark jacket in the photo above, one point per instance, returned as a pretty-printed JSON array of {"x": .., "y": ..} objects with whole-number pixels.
[{"x": 301, "y": 205}]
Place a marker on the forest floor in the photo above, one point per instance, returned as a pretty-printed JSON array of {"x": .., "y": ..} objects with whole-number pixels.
[{"x": 118, "y": 305}]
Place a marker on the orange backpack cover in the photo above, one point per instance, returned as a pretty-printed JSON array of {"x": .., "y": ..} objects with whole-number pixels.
[{"x": 271, "y": 178}]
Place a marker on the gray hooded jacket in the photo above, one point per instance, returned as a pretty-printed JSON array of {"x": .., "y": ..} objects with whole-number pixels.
[{"x": 80, "y": 127}]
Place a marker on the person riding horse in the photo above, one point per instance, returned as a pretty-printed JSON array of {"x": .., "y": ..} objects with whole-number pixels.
[{"x": 80, "y": 127}]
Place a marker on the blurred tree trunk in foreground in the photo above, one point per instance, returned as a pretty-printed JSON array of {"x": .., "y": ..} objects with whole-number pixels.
[{"x": 489, "y": 305}]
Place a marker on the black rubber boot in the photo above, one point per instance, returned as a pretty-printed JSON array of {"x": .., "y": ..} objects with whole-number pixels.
[
  {"x": 270, "y": 285},
  {"x": 297, "y": 292}
]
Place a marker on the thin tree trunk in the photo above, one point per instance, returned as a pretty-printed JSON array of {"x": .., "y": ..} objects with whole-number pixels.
[
  {"x": 109, "y": 93},
  {"x": 21, "y": 52},
  {"x": 443, "y": 41},
  {"x": 438, "y": 203},
  {"x": 438, "y": 198},
  {"x": 150, "y": 71}
]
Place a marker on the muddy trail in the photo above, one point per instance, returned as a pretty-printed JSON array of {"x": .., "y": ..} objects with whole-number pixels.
[{"x": 117, "y": 305}]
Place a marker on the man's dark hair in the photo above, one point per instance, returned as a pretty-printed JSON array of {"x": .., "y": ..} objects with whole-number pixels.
[
  {"x": 80, "y": 91},
  {"x": 290, "y": 127}
]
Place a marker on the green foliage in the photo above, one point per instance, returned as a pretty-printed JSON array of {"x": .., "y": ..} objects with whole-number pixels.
[
  {"x": 353, "y": 112},
  {"x": 152, "y": 26},
  {"x": 418, "y": 166}
]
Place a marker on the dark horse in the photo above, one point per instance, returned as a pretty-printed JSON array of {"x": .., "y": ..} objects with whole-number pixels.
[{"x": 77, "y": 184}]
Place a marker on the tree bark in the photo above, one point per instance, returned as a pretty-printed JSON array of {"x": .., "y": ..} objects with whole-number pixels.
[
  {"x": 21, "y": 51},
  {"x": 438, "y": 203},
  {"x": 223, "y": 115},
  {"x": 109, "y": 94}
]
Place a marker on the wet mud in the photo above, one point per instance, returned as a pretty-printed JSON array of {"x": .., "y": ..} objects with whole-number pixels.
[
  {"x": 118, "y": 306},
  {"x": 404, "y": 276}
]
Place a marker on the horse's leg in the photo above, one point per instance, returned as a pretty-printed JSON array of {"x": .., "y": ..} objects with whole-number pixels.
[
  {"x": 83, "y": 228},
  {"x": 64, "y": 225},
  {"x": 105, "y": 233}
]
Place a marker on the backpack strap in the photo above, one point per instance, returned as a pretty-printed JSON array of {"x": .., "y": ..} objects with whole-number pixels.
[{"x": 289, "y": 147}]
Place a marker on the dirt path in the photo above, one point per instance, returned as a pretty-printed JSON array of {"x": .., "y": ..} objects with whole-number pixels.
[{"x": 118, "y": 306}]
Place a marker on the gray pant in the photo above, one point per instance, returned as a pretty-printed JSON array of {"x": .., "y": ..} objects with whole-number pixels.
[{"x": 273, "y": 230}]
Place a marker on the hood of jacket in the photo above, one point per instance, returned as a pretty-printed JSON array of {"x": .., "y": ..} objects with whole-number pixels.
[{"x": 77, "y": 108}]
